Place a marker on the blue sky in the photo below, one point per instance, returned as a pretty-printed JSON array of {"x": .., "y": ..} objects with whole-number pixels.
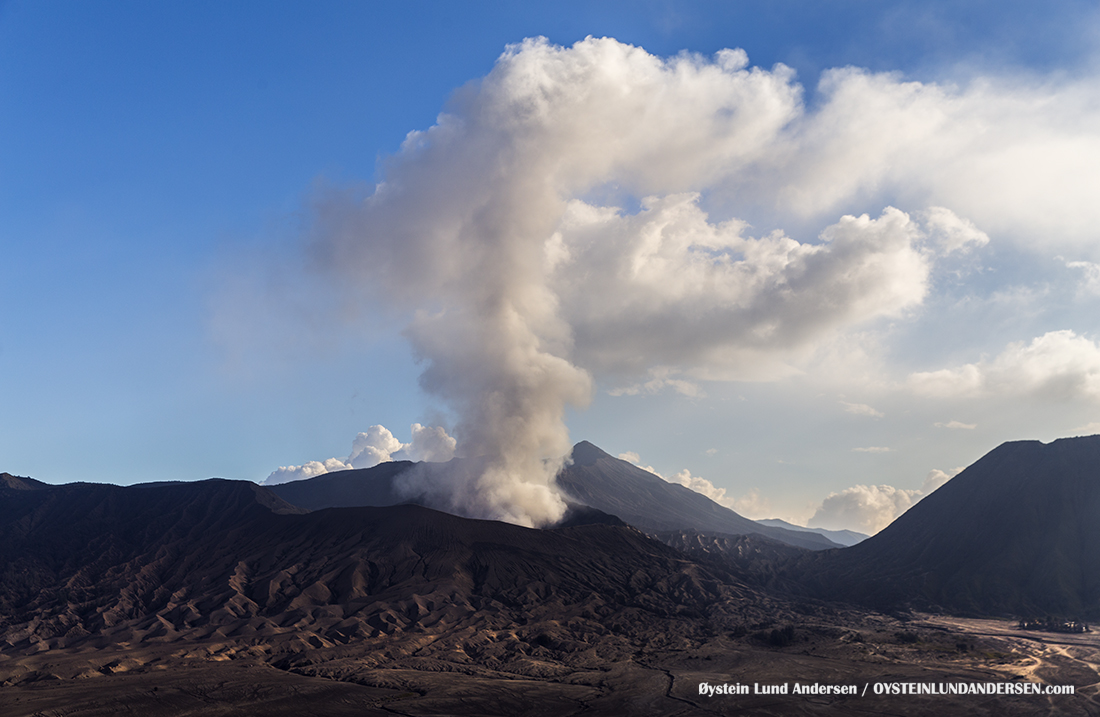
[{"x": 160, "y": 320}]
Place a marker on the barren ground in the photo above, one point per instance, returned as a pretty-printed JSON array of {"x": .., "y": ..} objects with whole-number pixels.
[{"x": 500, "y": 672}]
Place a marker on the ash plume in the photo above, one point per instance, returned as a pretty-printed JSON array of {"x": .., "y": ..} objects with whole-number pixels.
[{"x": 518, "y": 285}]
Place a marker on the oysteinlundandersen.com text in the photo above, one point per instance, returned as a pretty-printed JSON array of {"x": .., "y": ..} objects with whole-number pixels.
[{"x": 888, "y": 688}]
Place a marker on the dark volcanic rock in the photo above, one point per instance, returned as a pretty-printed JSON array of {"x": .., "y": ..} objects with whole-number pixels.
[
  {"x": 1016, "y": 533},
  {"x": 186, "y": 560},
  {"x": 64, "y": 547}
]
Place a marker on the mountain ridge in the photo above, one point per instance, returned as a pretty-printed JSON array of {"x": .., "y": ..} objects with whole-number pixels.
[
  {"x": 594, "y": 478},
  {"x": 224, "y": 557}
]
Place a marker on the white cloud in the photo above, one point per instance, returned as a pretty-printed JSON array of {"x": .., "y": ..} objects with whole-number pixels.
[
  {"x": 861, "y": 409},
  {"x": 1059, "y": 365},
  {"x": 429, "y": 443},
  {"x": 957, "y": 425},
  {"x": 372, "y": 447},
  {"x": 1017, "y": 159},
  {"x": 950, "y": 232},
  {"x": 632, "y": 457},
  {"x": 870, "y": 508},
  {"x": 312, "y": 469},
  {"x": 711, "y": 451},
  {"x": 1090, "y": 283},
  {"x": 873, "y": 449},
  {"x": 752, "y": 505},
  {"x": 865, "y": 508},
  {"x": 936, "y": 478},
  {"x": 666, "y": 291},
  {"x": 375, "y": 445},
  {"x": 700, "y": 485},
  {"x": 661, "y": 377},
  {"x": 1089, "y": 429}
]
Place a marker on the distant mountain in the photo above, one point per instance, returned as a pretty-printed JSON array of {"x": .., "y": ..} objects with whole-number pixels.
[
  {"x": 843, "y": 537},
  {"x": 654, "y": 505},
  {"x": 1015, "y": 534},
  {"x": 595, "y": 479}
]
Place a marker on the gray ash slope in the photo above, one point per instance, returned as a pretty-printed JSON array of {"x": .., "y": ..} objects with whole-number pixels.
[
  {"x": 1016, "y": 534},
  {"x": 594, "y": 479}
]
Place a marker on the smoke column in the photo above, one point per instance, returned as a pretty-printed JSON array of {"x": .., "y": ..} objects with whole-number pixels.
[{"x": 518, "y": 283}]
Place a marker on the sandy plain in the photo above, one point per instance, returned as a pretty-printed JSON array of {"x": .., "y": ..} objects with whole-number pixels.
[{"x": 653, "y": 671}]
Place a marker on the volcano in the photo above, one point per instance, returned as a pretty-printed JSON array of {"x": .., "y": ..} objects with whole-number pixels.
[{"x": 593, "y": 478}]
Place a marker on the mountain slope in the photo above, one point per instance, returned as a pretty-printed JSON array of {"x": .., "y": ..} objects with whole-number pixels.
[
  {"x": 346, "y": 489},
  {"x": 650, "y": 503},
  {"x": 85, "y": 540},
  {"x": 1016, "y": 533},
  {"x": 594, "y": 479},
  {"x": 219, "y": 559}
]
